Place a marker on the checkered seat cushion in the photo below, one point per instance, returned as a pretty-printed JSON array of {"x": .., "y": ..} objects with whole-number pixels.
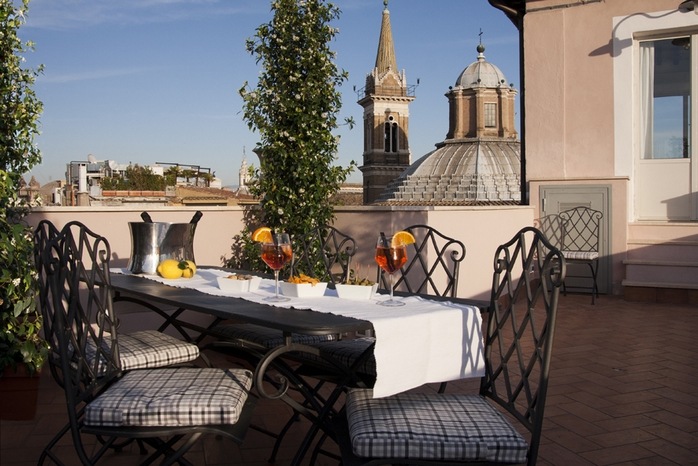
[
  {"x": 347, "y": 352},
  {"x": 448, "y": 427},
  {"x": 148, "y": 349},
  {"x": 581, "y": 255},
  {"x": 182, "y": 396},
  {"x": 263, "y": 336}
]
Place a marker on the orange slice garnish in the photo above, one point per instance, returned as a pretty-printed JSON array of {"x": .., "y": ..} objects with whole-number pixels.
[
  {"x": 402, "y": 238},
  {"x": 262, "y": 235}
]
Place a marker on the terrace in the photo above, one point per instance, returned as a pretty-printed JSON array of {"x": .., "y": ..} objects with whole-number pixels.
[{"x": 623, "y": 378}]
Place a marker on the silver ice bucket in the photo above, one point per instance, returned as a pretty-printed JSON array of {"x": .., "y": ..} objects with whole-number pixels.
[{"x": 154, "y": 242}]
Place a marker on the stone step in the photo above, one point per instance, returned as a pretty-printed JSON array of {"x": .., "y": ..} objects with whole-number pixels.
[
  {"x": 677, "y": 285},
  {"x": 656, "y": 271},
  {"x": 663, "y": 250}
]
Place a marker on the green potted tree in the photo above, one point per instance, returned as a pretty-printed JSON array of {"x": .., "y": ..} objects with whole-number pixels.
[
  {"x": 22, "y": 348},
  {"x": 294, "y": 108}
]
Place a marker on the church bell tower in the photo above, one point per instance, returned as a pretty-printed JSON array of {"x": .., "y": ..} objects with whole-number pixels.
[{"x": 385, "y": 99}]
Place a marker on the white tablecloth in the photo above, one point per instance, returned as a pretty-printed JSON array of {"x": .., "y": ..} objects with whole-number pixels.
[{"x": 421, "y": 342}]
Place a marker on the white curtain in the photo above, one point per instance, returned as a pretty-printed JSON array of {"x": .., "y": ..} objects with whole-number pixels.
[{"x": 646, "y": 99}]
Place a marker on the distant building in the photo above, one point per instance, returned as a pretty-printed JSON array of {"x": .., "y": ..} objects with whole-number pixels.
[
  {"x": 53, "y": 193},
  {"x": 84, "y": 183},
  {"x": 87, "y": 174},
  {"x": 30, "y": 193},
  {"x": 385, "y": 99},
  {"x": 479, "y": 162},
  {"x": 243, "y": 174},
  {"x": 200, "y": 196}
]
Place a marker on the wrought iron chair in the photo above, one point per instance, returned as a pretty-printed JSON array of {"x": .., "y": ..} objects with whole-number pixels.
[
  {"x": 580, "y": 245},
  {"x": 138, "y": 350},
  {"x": 432, "y": 259},
  {"x": 432, "y": 268},
  {"x": 436, "y": 428},
  {"x": 166, "y": 408},
  {"x": 144, "y": 349},
  {"x": 324, "y": 253},
  {"x": 44, "y": 232},
  {"x": 553, "y": 227}
]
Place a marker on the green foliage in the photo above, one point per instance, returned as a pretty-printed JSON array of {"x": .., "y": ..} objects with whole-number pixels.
[
  {"x": 294, "y": 108},
  {"x": 175, "y": 173},
  {"x": 20, "y": 321},
  {"x": 357, "y": 278},
  {"x": 113, "y": 183},
  {"x": 137, "y": 179},
  {"x": 245, "y": 252},
  {"x": 19, "y": 107}
]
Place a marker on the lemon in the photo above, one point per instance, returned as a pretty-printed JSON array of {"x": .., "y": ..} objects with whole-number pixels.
[
  {"x": 169, "y": 268},
  {"x": 189, "y": 270}
]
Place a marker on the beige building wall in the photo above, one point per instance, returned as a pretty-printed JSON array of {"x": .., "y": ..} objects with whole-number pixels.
[
  {"x": 569, "y": 87},
  {"x": 576, "y": 108}
]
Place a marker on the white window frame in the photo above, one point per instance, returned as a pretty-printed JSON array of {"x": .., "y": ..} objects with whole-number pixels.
[
  {"x": 647, "y": 97},
  {"x": 628, "y": 31}
]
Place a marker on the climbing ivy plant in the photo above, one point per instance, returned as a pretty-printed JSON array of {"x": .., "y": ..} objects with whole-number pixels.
[
  {"x": 294, "y": 108},
  {"x": 20, "y": 109}
]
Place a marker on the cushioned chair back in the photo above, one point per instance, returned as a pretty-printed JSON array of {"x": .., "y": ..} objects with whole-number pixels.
[
  {"x": 324, "y": 253},
  {"x": 582, "y": 229},
  {"x": 432, "y": 266},
  {"x": 76, "y": 264},
  {"x": 528, "y": 274}
]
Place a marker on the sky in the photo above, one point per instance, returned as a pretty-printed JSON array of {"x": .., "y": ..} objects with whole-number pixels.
[{"x": 146, "y": 81}]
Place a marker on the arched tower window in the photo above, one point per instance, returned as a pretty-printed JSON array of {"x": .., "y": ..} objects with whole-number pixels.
[{"x": 390, "y": 138}]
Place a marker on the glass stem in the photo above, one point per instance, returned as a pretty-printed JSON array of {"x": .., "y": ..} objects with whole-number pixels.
[
  {"x": 391, "y": 287},
  {"x": 276, "y": 280}
]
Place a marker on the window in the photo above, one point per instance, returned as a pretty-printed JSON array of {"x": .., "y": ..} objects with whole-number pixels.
[
  {"x": 390, "y": 140},
  {"x": 665, "y": 98},
  {"x": 655, "y": 93},
  {"x": 490, "y": 115}
]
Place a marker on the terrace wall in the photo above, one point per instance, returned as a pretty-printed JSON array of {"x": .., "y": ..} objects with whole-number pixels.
[{"x": 482, "y": 229}]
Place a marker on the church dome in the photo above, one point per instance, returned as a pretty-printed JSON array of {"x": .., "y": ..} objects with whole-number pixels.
[
  {"x": 461, "y": 172},
  {"x": 481, "y": 73}
]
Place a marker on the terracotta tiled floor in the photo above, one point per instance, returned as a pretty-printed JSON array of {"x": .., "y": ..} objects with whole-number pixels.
[{"x": 623, "y": 391}]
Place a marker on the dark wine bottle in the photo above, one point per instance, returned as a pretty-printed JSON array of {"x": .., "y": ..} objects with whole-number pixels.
[
  {"x": 146, "y": 217},
  {"x": 197, "y": 216}
]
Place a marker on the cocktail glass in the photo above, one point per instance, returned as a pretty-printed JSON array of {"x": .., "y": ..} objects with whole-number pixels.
[
  {"x": 390, "y": 258},
  {"x": 276, "y": 254}
]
